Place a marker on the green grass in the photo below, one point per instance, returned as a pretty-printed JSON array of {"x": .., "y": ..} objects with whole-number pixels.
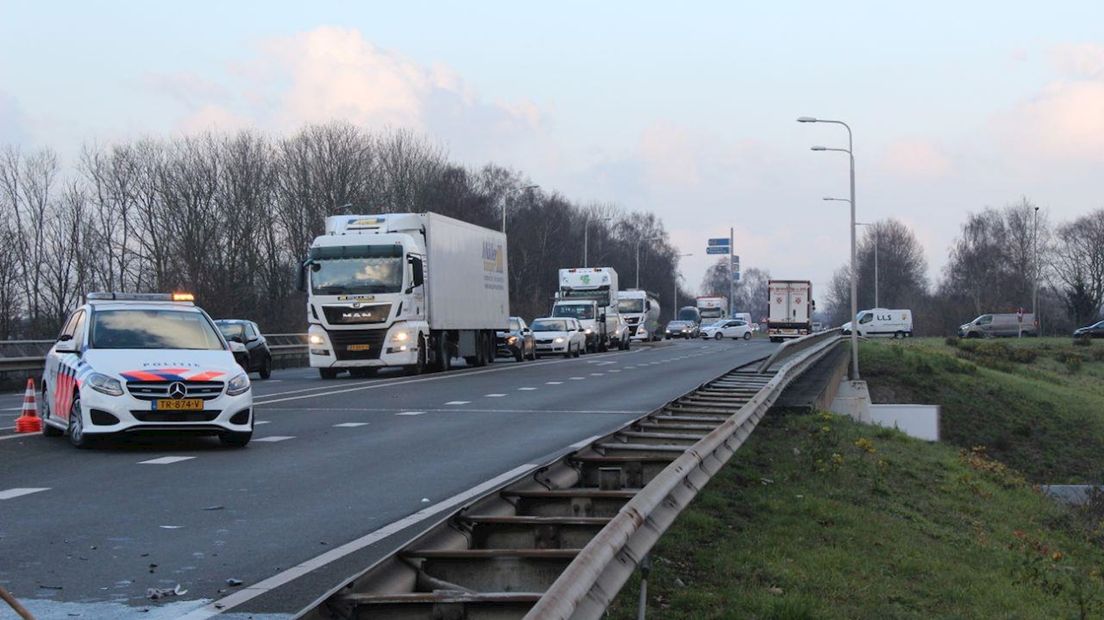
[
  {"x": 1042, "y": 416},
  {"x": 820, "y": 517}
]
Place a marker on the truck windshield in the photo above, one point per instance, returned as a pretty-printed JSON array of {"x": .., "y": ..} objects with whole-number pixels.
[
  {"x": 710, "y": 313},
  {"x": 630, "y": 305},
  {"x": 689, "y": 314},
  {"x": 153, "y": 329},
  {"x": 575, "y": 311},
  {"x": 356, "y": 270}
]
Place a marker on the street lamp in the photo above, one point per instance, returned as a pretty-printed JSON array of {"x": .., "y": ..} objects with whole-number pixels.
[
  {"x": 875, "y": 260},
  {"x": 1035, "y": 283},
  {"x": 518, "y": 190},
  {"x": 586, "y": 236},
  {"x": 854, "y": 282},
  {"x": 638, "y": 257}
]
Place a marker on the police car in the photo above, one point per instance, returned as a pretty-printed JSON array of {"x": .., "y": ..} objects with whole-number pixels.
[{"x": 143, "y": 362}]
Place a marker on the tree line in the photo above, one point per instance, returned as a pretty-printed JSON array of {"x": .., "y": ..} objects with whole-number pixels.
[
  {"x": 229, "y": 217},
  {"x": 992, "y": 267}
]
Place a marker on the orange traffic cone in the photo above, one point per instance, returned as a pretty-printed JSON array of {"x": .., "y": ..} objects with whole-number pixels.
[{"x": 28, "y": 421}]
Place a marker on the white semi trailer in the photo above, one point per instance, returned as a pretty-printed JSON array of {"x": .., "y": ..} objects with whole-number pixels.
[
  {"x": 590, "y": 295},
  {"x": 791, "y": 309},
  {"x": 404, "y": 289}
]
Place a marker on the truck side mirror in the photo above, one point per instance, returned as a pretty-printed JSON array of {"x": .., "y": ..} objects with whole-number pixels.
[
  {"x": 417, "y": 273},
  {"x": 301, "y": 277}
]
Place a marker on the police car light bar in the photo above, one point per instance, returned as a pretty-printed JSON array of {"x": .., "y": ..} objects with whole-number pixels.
[{"x": 113, "y": 296}]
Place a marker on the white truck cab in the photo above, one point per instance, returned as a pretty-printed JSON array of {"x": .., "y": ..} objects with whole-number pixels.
[
  {"x": 589, "y": 294},
  {"x": 641, "y": 312},
  {"x": 143, "y": 362}
]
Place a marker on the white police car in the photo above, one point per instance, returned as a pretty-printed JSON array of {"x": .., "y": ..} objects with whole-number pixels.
[{"x": 143, "y": 362}]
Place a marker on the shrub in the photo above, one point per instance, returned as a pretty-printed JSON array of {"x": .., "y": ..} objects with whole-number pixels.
[
  {"x": 1072, "y": 361},
  {"x": 1082, "y": 341},
  {"x": 1023, "y": 355},
  {"x": 951, "y": 341}
]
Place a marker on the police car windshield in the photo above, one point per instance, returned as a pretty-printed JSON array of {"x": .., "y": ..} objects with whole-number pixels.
[{"x": 152, "y": 329}]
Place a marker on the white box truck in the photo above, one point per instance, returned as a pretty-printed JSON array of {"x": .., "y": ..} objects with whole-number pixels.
[
  {"x": 882, "y": 322},
  {"x": 641, "y": 311},
  {"x": 404, "y": 289},
  {"x": 589, "y": 294},
  {"x": 712, "y": 309},
  {"x": 791, "y": 309}
]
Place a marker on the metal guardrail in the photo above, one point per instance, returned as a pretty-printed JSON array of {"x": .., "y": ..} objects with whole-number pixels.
[
  {"x": 791, "y": 347},
  {"x": 561, "y": 540},
  {"x": 30, "y": 355}
]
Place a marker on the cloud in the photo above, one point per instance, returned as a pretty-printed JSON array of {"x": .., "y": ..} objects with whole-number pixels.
[
  {"x": 915, "y": 159},
  {"x": 13, "y": 128},
  {"x": 332, "y": 73},
  {"x": 1085, "y": 60}
]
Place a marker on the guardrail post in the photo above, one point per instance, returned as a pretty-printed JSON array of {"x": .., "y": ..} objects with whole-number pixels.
[{"x": 645, "y": 570}]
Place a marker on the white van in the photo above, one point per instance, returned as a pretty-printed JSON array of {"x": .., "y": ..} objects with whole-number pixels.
[{"x": 882, "y": 322}]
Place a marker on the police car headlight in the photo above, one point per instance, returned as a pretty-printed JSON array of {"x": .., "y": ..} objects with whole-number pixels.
[
  {"x": 238, "y": 385},
  {"x": 105, "y": 384},
  {"x": 315, "y": 339}
]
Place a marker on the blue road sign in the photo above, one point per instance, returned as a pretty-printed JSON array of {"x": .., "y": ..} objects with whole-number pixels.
[
  {"x": 717, "y": 249},
  {"x": 722, "y": 241}
]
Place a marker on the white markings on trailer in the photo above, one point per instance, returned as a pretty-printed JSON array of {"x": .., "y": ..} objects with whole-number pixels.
[
  {"x": 20, "y": 492},
  {"x": 166, "y": 460},
  {"x": 350, "y": 424},
  {"x": 282, "y": 578},
  {"x": 275, "y": 438}
]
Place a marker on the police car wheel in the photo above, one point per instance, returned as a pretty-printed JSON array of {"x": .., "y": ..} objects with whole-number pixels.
[
  {"x": 266, "y": 368},
  {"x": 76, "y": 433},
  {"x": 48, "y": 429}
]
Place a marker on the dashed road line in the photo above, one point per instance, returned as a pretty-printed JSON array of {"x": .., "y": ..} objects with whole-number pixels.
[
  {"x": 20, "y": 492},
  {"x": 458, "y": 402},
  {"x": 526, "y": 389},
  {"x": 350, "y": 424},
  {"x": 577, "y": 378},
  {"x": 410, "y": 413},
  {"x": 256, "y": 422},
  {"x": 166, "y": 460},
  {"x": 274, "y": 438},
  {"x": 553, "y": 382},
  {"x": 493, "y": 395}
]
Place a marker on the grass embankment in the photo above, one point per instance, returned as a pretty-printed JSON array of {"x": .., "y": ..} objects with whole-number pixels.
[{"x": 820, "y": 517}]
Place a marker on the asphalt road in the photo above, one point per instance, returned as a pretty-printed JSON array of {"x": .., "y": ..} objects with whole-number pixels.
[{"x": 331, "y": 462}]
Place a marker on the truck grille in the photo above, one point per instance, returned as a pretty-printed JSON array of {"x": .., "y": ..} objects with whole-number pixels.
[
  {"x": 343, "y": 339},
  {"x": 155, "y": 390},
  {"x": 347, "y": 315}
]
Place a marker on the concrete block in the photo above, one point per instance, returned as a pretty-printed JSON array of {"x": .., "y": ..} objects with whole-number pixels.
[{"x": 853, "y": 400}]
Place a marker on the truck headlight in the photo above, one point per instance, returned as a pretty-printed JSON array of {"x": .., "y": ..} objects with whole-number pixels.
[
  {"x": 105, "y": 384},
  {"x": 315, "y": 339},
  {"x": 401, "y": 337},
  {"x": 238, "y": 385},
  {"x": 588, "y": 331}
]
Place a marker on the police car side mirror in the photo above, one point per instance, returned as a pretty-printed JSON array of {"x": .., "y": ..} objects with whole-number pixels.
[{"x": 65, "y": 344}]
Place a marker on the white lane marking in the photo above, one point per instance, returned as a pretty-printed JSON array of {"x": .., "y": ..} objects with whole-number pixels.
[
  {"x": 170, "y": 527},
  {"x": 553, "y": 382},
  {"x": 275, "y": 438},
  {"x": 279, "y": 579},
  {"x": 19, "y": 492},
  {"x": 377, "y": 384},
  {"x": 458, "y": 402},
  {"x": 16, "y": 436},
  {"x": 577, "y": 378},
  {"x": 350, "y": 424},
  {"x": 493, "y": 395},
  {"x": 614, "y": 370},
  {"x": 410, "y": 413},
  {"x": 526, "y": 389},
  {"x": 596, "y": 374},
  {"x": 629, "y": 367},
  {"x": 166, "y": 460},
  {"x": 469, "y": 410},
  {"x": 256, "y": 422}
]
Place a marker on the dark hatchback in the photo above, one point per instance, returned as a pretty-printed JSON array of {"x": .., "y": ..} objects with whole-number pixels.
[
  {"x": 257, "y": 356},
  {"x": 1095, "y": 330},
  {"x": 517, "y": 342}
]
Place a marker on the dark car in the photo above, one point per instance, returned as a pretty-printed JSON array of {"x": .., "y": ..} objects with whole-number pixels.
[
  {"x": 256, "y": 356},
  {"x": 518, "y": 342},
  {"x": 1090, "y": 331},
  {"x": 682, "y": 329}
]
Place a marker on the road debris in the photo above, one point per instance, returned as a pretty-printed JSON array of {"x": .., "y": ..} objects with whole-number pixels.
[{"x": 155, "y": 593}]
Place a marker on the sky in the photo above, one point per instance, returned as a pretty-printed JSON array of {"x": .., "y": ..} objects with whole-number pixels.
[{"x": 687, "y": 111}]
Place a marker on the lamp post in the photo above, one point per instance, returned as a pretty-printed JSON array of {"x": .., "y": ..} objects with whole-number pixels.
[
  {"x": 854, "y": 283},
  {"x": 586, "y": 237},
  {"x": 875, "y": 260},
  {"x": 678, "y": 276},
  {"x": 638, "y": 257},
  {"x": 518, "y": 190},
  {"x": 1035, "y": 276}
]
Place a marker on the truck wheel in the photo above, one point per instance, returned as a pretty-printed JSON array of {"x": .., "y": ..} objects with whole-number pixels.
[
  {"x": 444, "y": 356},
  {"x": 518, "y": 356},
  {"x": 327, "y": 373}
]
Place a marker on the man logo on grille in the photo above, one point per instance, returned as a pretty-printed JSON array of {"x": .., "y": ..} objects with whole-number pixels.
[{"x": 177, "y": 390}]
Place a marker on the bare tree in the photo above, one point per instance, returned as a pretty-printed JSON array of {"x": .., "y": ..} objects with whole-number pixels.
[{"x": 1078, "y": 263}]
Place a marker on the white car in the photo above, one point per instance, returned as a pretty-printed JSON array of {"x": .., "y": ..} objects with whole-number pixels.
[
  {"x": 559, "y": 335},
  {"x": 727, "y": 328},
  {"x": 143, "y": 362}
]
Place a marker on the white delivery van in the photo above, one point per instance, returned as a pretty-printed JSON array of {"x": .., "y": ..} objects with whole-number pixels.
[{"x": 882, "y": 322}]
